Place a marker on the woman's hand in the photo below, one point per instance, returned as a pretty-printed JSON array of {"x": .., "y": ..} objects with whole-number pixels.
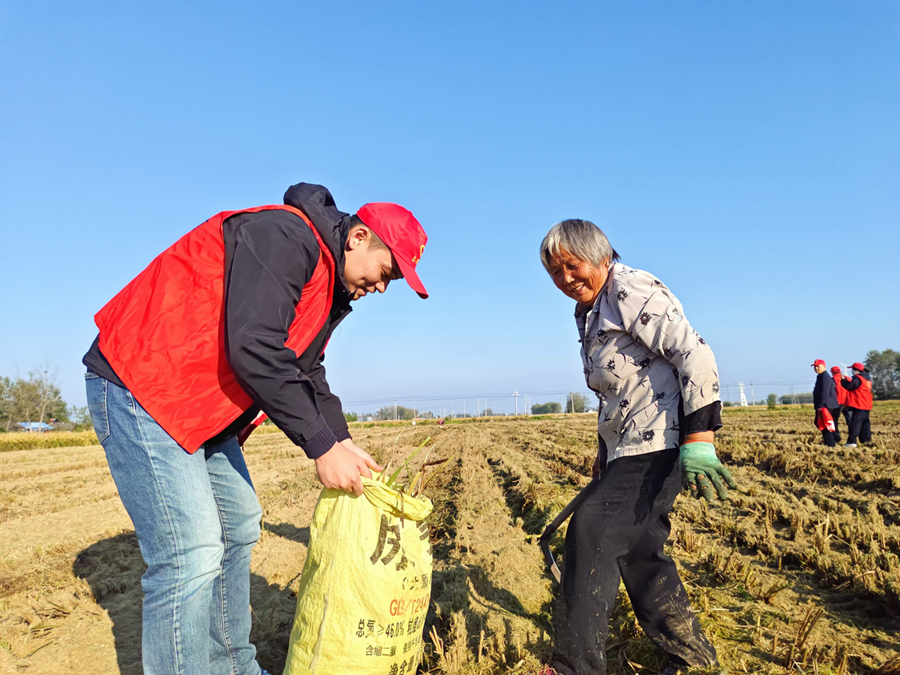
[{"x": 701, "y": 467}]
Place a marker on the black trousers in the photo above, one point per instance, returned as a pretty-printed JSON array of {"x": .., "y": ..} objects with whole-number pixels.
[
  {"x": 828, "y": 438},
  {"x": 619, "y": 531},
  {"x": 859, "y": 426},
  {"x": 836, "y": 415}
]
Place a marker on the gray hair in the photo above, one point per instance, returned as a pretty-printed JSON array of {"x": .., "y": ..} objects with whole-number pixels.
[{"x": 579, "y": 238}]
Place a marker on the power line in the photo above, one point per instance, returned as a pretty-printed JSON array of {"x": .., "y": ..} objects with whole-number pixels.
[
  {"x": 531, "y": 397},
  {"x": 447, "y": 397}
]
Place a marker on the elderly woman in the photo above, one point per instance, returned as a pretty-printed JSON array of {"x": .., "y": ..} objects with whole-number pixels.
[{"x": 658, "y": 388}]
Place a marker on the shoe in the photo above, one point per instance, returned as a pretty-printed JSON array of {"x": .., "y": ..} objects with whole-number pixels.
[{"x": 849, "y": 445}]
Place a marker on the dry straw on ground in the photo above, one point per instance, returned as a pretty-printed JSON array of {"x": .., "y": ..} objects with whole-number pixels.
[
  {"x": 50, "y": 439},
  {"x": 799, "y": 572}
]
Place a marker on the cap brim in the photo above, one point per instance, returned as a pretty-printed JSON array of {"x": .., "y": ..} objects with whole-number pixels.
[{"x": 409, "y": 273}]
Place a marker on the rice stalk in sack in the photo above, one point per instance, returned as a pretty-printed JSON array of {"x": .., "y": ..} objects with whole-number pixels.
[{"x": 366, "y": 584}]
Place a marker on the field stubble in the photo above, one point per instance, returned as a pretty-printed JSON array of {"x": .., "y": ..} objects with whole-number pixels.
[{"x": 798, "y": 572}]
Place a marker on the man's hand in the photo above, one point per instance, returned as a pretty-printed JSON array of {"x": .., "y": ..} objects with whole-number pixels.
[
  {"x": 700, "y": 466},
  {"x": 359, "y": 452},
  {"x": 342, "y": 468}
]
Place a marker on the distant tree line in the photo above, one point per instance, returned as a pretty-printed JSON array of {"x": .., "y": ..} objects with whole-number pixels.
[
  {"x": 805, "y": 397},
  {"x": 391, "y": 412},
  {"x": 576, "y": 402},
  {"x": 885, "y": 370},
  {"x": 732, "y": 404},
  {"x": 37, "y": 399}
]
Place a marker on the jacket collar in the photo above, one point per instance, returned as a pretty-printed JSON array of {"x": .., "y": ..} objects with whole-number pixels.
[{"x": 332, "y": 225}]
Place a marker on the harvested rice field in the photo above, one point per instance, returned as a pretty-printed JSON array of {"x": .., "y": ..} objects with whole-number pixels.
[{"x": 799, "y": 571}]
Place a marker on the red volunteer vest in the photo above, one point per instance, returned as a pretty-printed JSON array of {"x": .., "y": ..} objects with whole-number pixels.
[
  {"x": 824, "y": 420},
  {"x": 164, "y": 333},
  {"x": 861, "y": 397},
  {"x": 841, "y": 392}
]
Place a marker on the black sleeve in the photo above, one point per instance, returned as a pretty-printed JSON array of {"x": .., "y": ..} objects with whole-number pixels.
[
  {"x": 707, "y": 418},
  {"x": 829, "y": 392},
  {"x": 817, "y": 391},
  {"x": 852, "y": 384},
  {"x": 273, "y": 255},
  {"x": 329, "y": 403}
]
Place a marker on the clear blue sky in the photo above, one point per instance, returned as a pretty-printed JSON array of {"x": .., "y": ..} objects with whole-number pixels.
[{"x": 748, "y": 154}]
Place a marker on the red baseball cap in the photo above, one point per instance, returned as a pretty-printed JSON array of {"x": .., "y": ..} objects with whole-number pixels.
[
  {"x": 818, "y": 362},
  {"x": 835, "y": 369},
  {"x": 398, "y": 228},
  {"x": 858, "y": 366}
]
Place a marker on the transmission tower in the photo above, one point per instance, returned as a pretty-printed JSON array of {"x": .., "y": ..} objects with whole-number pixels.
[{"x": 743, "y": 396}]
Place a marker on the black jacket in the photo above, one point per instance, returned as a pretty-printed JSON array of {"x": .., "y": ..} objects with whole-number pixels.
[
  {"x": 855, "y": 382},
  {"x": 825, "y": 393},
  {"x": 269, "y": 258}
]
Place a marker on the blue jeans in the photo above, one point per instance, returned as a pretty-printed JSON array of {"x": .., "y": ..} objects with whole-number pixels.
[{"x": 197, "y": 520}]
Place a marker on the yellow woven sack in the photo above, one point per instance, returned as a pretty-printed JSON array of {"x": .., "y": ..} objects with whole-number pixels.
[{"x": 365, "y": 586}]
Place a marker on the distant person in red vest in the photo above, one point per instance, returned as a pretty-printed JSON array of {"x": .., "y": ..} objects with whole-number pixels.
[
  {"x": 825, "y": 398},
  {"x": 859, "y": 401},
  {"x": 841, "y": 393},
  {"x": 229, "y": 323}
]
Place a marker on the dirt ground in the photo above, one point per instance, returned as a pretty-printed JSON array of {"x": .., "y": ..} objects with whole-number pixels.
[{"x": 799, "y": 571}]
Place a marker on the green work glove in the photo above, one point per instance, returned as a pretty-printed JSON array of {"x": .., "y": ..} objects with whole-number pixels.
[{"x": 700, "y": 466}]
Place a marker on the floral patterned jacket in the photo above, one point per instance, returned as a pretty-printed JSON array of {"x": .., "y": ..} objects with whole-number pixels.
[{"x": 646, "y": 364}]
